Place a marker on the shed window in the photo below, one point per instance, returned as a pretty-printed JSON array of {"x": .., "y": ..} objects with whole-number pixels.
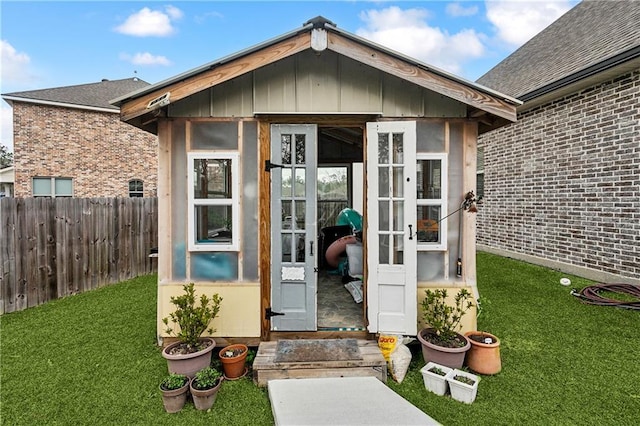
[
  {"x": 431, "y": 171},
  {"x": 213, "y": 202},
  {"x": 52, "y": 187},
  {"x": 136, "y": 188}
]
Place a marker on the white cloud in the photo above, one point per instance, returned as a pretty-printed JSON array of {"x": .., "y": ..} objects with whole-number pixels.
[
  {"x": 145, "y": 58},
  {"x": 407, "y": 31},
  {"x": 6, "y": 121},
  {"x": 147, "y": 22},
  {"x": 516, "y": 22},
  {"x": 15, "y": 65},
  {"x": 456, "y": 9}
]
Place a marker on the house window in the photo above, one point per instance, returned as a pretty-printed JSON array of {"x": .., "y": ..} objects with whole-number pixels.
[
  {"x": 214, "y": 206},
  {"x": 52, "y": 187},
  {"x": 431, "y": 173},
  {"x": 136, "y": 188},
  {"x": 480, "y": 173}
]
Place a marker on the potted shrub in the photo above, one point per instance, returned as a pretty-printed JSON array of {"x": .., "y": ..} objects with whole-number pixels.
[
  {"x": 191, "y": 353},
  {"x": 233, "y": 359},
  {"x": 204, "y": 387},
  {"x": 174, "y": 390},
  {"x": 441, "y": 342},
  {"x": 484, "y": 355},
  {"x": 463, "y": 386},
  {"x": 435, "y": 377}
]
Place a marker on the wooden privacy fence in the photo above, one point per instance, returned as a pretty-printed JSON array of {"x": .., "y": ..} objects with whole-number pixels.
[{"x": 51, "y": 248}]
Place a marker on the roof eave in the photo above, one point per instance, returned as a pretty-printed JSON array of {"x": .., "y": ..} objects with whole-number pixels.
[{"x": 10, "y": 99}]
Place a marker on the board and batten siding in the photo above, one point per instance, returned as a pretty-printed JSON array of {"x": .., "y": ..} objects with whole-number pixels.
[{"x": 320, "y": 84}]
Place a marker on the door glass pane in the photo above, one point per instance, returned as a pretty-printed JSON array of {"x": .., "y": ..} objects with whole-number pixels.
[
  {"x": 383, "y": 249},
  {"x": 428, "y": 227},
  {"x": 286, "y": 183},
  {"x": 300, "y": 252},
  {"x": 383, "y": 148},
  {"x": 398, "y": 148},
  {"x": 212, "y": 178},
  {"x": 300, "y": 182},
  {"x": 383, "y": 215},
  {"x": 398, "y": 215},
  {"x": 286, "y": 247},
  {"x": 429, "y": 179},
  {"x": 398, "y": 182},
  {"x": 286, "y": 214},
  {"x": 286, "y": 149},
  {"x": 300, "y": 149},
  {"x": 300, "y": 215},
  {"x": 383, "y": 182},
  {"x": 398, "y": 250}
]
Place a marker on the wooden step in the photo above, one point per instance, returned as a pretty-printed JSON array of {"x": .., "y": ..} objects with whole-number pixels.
[{"x": 371, "y": 364}]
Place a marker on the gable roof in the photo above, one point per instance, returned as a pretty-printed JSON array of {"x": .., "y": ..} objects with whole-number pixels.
[
  {"x": 94, "y": 96},
  {"x": 592, "y": 38},
  {"x": 319, "y": 34}
]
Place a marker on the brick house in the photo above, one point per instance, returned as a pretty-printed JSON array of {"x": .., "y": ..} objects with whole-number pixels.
[
  {"x": 69, "y": 141},
  {"x": 562, "y": 184}
]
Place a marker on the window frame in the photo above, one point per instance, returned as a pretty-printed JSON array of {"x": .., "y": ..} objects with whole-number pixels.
[
  {"x": 441, "y": 202},
  {"x": 52, "y": 186},
  {"x": 234, "y": 202},
  {"x": 138, "y": 194}
]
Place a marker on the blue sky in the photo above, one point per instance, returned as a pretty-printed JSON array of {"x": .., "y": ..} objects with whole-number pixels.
[{"x": 53, "y": 44}]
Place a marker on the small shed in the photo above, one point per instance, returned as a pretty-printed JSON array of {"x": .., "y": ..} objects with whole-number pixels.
[{"x": 270, "y": 156}]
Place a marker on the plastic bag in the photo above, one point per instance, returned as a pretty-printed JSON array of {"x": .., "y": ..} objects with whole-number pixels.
[
  {"x": 387, "y": 344},
  {"x": 400, "y": 359}
]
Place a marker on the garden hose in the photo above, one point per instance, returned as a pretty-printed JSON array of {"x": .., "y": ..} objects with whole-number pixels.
[{"x": 591, "y": 294}]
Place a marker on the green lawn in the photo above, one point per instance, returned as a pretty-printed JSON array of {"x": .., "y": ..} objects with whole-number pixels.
[{"x": 92, "y": 359}]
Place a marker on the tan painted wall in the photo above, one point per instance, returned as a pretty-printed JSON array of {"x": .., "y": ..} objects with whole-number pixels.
[
  {"x": 239, "y": 314},
  {"x": 469, "y": 320}
]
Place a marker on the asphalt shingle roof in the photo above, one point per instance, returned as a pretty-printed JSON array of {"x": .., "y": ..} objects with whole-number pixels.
[
  {"x": 586, "y": 35},
  {"x": 92, "y": 95}
]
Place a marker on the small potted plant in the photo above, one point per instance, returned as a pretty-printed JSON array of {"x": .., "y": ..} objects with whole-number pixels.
[
  {"x": 463, "y": 386},
  {"x": 174, "y": 389},
  {"x": 204, "y": 387},
  {"x": 233, "y": 359},
  {"x": 441, "y": 342},
  {"x": 435, "y": 378},
  {"x": 191, "y": 353}
]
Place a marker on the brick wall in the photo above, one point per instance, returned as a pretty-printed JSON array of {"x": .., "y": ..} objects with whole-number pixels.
[
  {"x": 563, "y": 183},
  {"x": 96, "y": 149}
]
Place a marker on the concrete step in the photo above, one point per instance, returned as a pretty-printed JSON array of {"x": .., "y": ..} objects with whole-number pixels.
[{"x": 341, "y": 401}]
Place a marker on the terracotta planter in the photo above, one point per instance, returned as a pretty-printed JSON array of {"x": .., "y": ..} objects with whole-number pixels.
[
  {"x": 483, "y": 358},
  {"x": 204, "y": 399},
  {"x": 188, "y": 364},
  {"x": 173, "y": 400},
  {"x": 449, "y": 357},
  {"x": 234, "y": 366}
]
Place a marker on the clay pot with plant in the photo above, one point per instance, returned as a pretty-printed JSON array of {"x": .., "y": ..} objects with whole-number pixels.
[
  {"x": 174, "y": 389},
  {"x": 233, "y": 358},
  {"x": 204, "y": 387},
  {"x": 441, "y": 342},
  {"x": 191, "y": 353}
]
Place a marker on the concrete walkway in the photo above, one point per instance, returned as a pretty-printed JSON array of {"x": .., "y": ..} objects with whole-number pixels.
[{"x": 341, "y": 401}]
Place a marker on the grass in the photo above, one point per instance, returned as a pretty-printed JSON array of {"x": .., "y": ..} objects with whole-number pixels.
[{"x": 92, "y": 359}]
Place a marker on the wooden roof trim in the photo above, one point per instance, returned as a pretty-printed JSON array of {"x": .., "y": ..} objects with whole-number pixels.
[
  {"x": 214, "y": 76},
  {"x": 439, "y": 84}
]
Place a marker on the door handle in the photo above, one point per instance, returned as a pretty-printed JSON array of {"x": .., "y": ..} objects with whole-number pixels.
[
  {"x": 311, "y": 248},
  {"x": 410, "y": 232}
]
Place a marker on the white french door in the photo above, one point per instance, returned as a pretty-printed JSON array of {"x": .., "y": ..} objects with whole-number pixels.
[{"x": 391, "y": 227}]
